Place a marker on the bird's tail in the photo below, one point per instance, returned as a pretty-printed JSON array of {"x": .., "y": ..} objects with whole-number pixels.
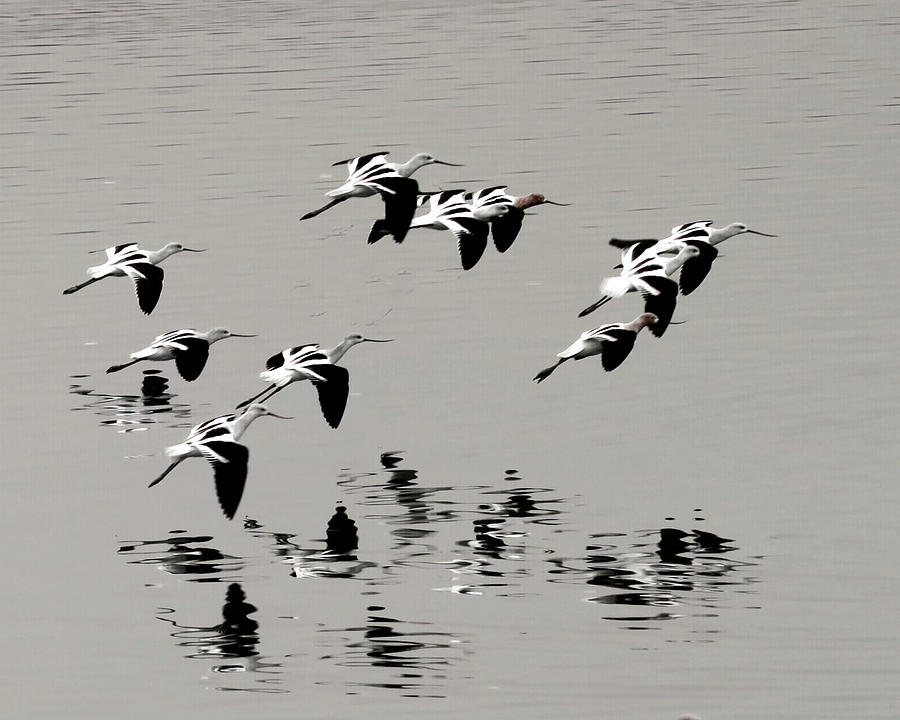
[{"x": 615, "y": 287}]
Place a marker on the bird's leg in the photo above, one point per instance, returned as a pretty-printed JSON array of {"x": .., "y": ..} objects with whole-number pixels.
[
  {"x": 322, "y": 209},
  {"x": 166, "y": 472},
  {"x": 116, "y": 368},
  {"x": 545, "y": 373},
  {"x": 588, "y": 310},
  {"x": 272, "y": 389},
  {"x": 76, "y": 288}
]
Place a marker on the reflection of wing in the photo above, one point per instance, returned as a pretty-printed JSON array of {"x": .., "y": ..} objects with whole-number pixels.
[
  {"x": 333, "y": 391},
  {"x": 229, "y": 461},
  {"x": 192, "y": 359},
  {"x": 148, "y": 282}
]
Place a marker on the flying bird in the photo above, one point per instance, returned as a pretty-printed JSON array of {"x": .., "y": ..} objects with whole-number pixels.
[
  {"x": 140, "y": 265},
  {"x": 309, "y": 362},
  {"x": 613, "y": 343},
  {"x": 188, "y": 348},
  {"x": 217, "y": 441}
]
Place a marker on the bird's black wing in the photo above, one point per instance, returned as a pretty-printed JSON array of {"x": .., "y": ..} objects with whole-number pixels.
[
  {"x": 333, "y": 391},
  {"x": 695, "y": 269},
  {"x": 505, "y": 229},
  {"x": 471, "y": 240},
  {"x": 190, "y": 362},
  {"x": 399, "y": 208},
  {"x": 229, "y": 461},
  {"x": 663, "y": 304},
  {"x": 615, "y": 351},
  {"x": 148, "y": 282}
]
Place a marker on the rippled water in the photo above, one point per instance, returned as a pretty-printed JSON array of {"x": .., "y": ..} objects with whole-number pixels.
[{"x": 709, "y": 529}]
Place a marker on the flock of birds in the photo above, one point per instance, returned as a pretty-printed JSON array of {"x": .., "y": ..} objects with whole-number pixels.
[{"x": 647, "y": 267}]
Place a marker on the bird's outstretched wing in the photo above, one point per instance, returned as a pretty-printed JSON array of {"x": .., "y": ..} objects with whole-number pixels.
[{"x": 229, "y": 462}]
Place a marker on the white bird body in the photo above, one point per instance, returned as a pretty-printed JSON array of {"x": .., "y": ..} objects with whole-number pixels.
[
  {"x": 372, "y": 174},
  {"x": 613, "y": 342},
  {"x": 451, "y": 210},
  {"x": 648, "y": 275},
  {"x": 701, "y": 235},
  {"x": 309, "y": 362},
  {"x": 187, "y": 347},
  {"x": 217, "y": 441},
  {"x": 140, "y": 265}
]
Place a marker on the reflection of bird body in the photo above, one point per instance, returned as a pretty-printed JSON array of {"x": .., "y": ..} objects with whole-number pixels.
[
  {"x": 612, "y": 343},
  {"x": 309, "y": 362},
  {"x": 217, "y": 441},
  {"x": 648, "y": 275},
  {"x": 188, "y": 348},
  {"x": 140, "y": 265}
]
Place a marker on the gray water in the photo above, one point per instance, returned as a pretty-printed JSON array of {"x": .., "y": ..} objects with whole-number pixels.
[{"x": 525, "y": 550}]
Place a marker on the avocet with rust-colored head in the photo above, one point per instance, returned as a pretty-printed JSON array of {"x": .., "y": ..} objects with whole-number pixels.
[
  {"x": 140, "y": 265},
  {"x": 505, "y": 225},
  {"x": 217, "y": 441},
  {"x": 309, "y": 362},
  {"x": 613, "y": 343},
  {"x": 188, "y": 348}
]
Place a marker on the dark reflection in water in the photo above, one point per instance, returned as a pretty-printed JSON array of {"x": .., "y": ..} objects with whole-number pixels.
[
  {"x": 235, "y": 638},
  {"x": 183, "y": 555},
  {"x": 403, "y": 502},
  {"x": 413, "y": 658},
  {"x": 335, "y": 560},
  {"x": 131, "y": 413},
  {"x": 668, "y": 567}
]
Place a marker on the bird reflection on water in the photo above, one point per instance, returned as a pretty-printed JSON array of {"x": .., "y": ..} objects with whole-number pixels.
[
  {"x": 415, "y": 657},
  {"x": 182, "y": 554},
  {"x": 131, "y": 413},
  {"x": 235, "y": 638},
  {"x": 668, "y": 567},
  {"x": 335, "y": 560}
]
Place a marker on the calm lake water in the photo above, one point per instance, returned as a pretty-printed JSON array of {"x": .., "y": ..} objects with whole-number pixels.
[{"x": 710, "y": 529}]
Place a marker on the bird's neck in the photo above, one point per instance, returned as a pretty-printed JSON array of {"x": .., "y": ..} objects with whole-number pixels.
[
  {"x": 722, "y": 234},
  {"x": 677, "y": 261},
  {"x": 337, "y": 352},
  {"x": 240, "y": 424},
  {"x": 157, "y": 256},
  {"x": 409, "y": 167}
]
